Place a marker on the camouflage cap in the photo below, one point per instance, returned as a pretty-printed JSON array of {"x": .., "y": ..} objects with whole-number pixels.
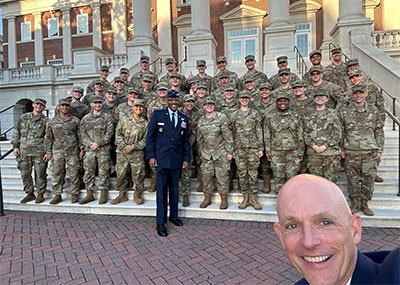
[
  {"x": 169, "y": 60},
  {"x": 176, "y": 75},
  {"x": 209, "y": 100},
  {"x": 104, "y": 68},
  {"x": 244, "y": 94},
  {"x": 320, "y": 92},
  {"x": 229, "y": 87},
  {"x": 351, "y": 62},
  {"x": 249, "y": 57},
  {"x": 77, "y": 89},
  {"x": 189, "y": 97},
  {"x": 162, "y": 86},
  {"x": 64, "y": 101},
  {"x": 144, "y": 58},
  {"x": 193, "y": 80},
  {"x": 134, "y": 90},
  {"x": 201, "y": 85},
  {"x": 200, "y": 62},
  {"x": 40, "y": 101},
  {"x": 266, "y": 85},
  {"x": 336, "y": 50},
  {"x": 221, "y": 59},
  {"x": 123, "y": 70},
  {"x": 359, "y": 87},
  {"x": 284, "y": 71},
  {"x": 99, "y": 81},
  {"x": 316, "y": 68},
  {"x": 147, "y": 77},
  {"x": 139, "y": 102},
  {"x": 173, "y": 94},
  {"x": 248, "y": 78},
  {"x": 118, "y": 79},
  {"x": 96, "y": 98},
  {"x": 223, "y": 74},
  {"x": 354, "y": 72},
  {"x": 282, "y": 95},
  {"x": 282, "y": 58},
  {"x": 314, "y": 52},
  {"x": 299, "y": 83},
  {"x": 111, "y": 90}
]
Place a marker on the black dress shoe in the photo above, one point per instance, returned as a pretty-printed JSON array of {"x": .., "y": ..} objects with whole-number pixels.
[
  {"x": 176, "y": 221},
  {"x": 161, "y": 230}
]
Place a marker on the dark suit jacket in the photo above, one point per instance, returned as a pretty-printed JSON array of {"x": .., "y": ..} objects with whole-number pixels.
[
  {"x": 380, "y": 267},
  {"x": 169, "y": 146}
]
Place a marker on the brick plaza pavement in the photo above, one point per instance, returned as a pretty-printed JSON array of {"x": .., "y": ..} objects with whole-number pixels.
[{"x": 52, "y": 248}]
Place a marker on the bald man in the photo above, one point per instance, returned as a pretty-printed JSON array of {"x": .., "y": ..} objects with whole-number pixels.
[{"x": 320, "y": 235}]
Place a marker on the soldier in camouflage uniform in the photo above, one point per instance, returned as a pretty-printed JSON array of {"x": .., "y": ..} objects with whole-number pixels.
[
  {"x": 259, "y": 77},
  {"x": 202, "y": 76},
  {"x": 315, "y": 58},
  {"x": 130, "y": 136},
  {"x": 282, "y": 62},
  {"x": 125, "y": 109},
  {"x": 192, "y": 85},
  {"x": 62, "y": 145},
  {"x": 223, "y": 81},
  {"x": 147, "y": 92},
  {"x": 265, "y": 105},
  {"x": 249, "y": 146},
  {"x": 119, "y": 85},
  {"x": 104, "y": 72},
  {"x": 233, "y": 77},
  {"x": 215, "y": 144},
  {"x": 322, "y": 135},
  {"x": 170, "y": 66},
  {"x": 361, "y": 148},
  {"x": 96, "y": 131},
  {"x": 283, "y": 139},
  {"x": 124, "y": 75},
  {"x": 78, "y": 109},
  {"x": 284, "y": 84},
  {"x": 250, "y": 86},
  {"x": 111, "y": 102},
  {"x": 201, "y": 95},
  {"x": 137, "y": 78},
  {"x": 186, "y": 178},
  {"x": 28, "y": 147},
  {"x": 336, "y": 72},
  {"x": 98, "y": 91}
]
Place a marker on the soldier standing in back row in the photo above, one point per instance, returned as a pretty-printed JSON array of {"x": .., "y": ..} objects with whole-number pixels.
[
  {"x": 136, "y": 80},
  {"x": 78, "y": 109},
  {"x": 259, "y": 77},
  {"x": 282, "y": 62},
  {"x": 62, "y": 145}
]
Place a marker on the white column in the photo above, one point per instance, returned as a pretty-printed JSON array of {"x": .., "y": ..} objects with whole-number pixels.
[
  {"x": 97, "y": 41},
  {"x": 278, "y": 13},
  {"x": 12, "y": 43},
  {"x": 350, "y": 10},
  {"x": 330, "y": 10},
  {"x": 200, "y": 16},
  {"x": 164, "y": 28},
  {"x": 38, "y": 38},
  {"x": 66, "y": 31},
  {"x": 119, "y": 26},
  {"x": 142, "y": 19}
]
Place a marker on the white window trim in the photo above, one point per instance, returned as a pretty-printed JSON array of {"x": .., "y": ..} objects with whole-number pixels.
[
  {"x": 310, "y": 39},
  {"x": 55, "y": 20},
  {"x": 84, "y": 15},
  {"x": 242, "y": 39},
  {"x": 26, "y": 64},
  {"x": 55, "y": 62},
  {"x": 27, "y": 23}
]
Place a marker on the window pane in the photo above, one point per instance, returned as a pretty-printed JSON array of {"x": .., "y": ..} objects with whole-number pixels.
[
  {"x": 26, "y": 34},
  {"x": 53, "y": 27},
  {"x": 302, "y": 27},
  {"x": 236, "y": 52},
  {"x": 302, "y": 44},
  {"x": 83, "y": 26},
  {"x": 250, "y": 47},
  {"x": 242, "y": 33}
]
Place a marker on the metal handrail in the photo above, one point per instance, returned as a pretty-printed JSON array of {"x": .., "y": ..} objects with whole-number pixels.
[
  {"x": 2, "y": 111},
  {"x": 8, "y": 108},
  {"x": 183, "y": 60},
  {"x": 397, "y": 122},
  {"x": 153, "y": 65},
  {"x": 301, "y": 65},
  {"x": 1, "y": 183}
]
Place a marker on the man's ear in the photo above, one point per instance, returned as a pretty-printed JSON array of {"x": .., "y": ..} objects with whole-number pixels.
[
  {"x": 356, "y": 227},
  {"x": 277, "y": 228}
]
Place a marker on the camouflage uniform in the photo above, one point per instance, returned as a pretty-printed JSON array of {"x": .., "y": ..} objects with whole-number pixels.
[
  {"x": 206, "y": 80},
  {"x": 323, "y": 128},
  {"x": 136, "y": 80},
  {"x": 99, "y": 130},
  {"x": 79, "y": 110},
  {"x": 123, "y": 110},
  {"x": 336, "y": 97},
  {"x": 307, "y": 79},
  {"x": 215, "y": 142},
  {"x": 28, "y": 136},
  {"x": 90, "y": 87},
  {"x": 275, "y": 82},
  {"x": 62, "y": 142},
  {"x": 259, "y": 78},
  {"x": 155, "y": 105},
  {"x": 283, "y": 139},
  {"x": 248, "y": 137},
  {"x": 288, "y": 91},
  {"x": 88, "y": 97},
  {"x": 337, "y": 74},
  {"x": 233, "y": 80},
  {"x": 183, "y": 86}
]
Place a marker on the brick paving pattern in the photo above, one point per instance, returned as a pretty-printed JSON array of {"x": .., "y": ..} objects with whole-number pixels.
[{"x": 53, "y": 248}]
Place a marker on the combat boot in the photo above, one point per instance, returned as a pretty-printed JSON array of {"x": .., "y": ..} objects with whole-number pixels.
[
  {"x": 378, "y": 179},
  {"x": 245, "y": 201},
  {"x": 254, "y": 203},
  {"x": 224, "y": 202},
  {"x": 200, "y": 187},
  {"x": 103, "y": 197},
  {"x": 185, "y": 201},
  {"x": 267, "y": 185},
  {"x": 56, "y": 199},
  {"x": 365, "y": 209},
  {"x": 206, "y": 201},
  {"x": 354, "y": 205},
  {"x": 39, "y": 198},
  {"x": 153, "y": 183},
  {"x": 29, "y": 197},
  {"x": 137, "y": 197},
  {"x": 88, "y": 198},
  {"x": 74, "y": 198},
  {"x": 120, "y": 198}
]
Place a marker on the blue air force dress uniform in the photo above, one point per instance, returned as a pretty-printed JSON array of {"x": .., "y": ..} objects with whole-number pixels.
[{"x": 168, "y": 142}]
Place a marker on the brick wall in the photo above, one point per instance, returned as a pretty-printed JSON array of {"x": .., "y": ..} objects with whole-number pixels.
[
  {"x": 378, "y": 16},
  {"x": 25, "y": 50},
  {"x": 85, "y": 40},
  {"x": 106, "y": 28},
  {"x": 5, "y": 40},
  {"x": 52, "y": 46}
]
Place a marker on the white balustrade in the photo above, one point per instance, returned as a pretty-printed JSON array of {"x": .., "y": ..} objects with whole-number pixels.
[
  {"x": 28, "y": 73},
  {"x": 113, "y": 61},
  {"x": 386, "y": 39},
  {"x": 63, "y": 71}
]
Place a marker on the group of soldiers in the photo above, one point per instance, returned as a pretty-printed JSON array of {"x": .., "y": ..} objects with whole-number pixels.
[{"x": 247, "y": 127}]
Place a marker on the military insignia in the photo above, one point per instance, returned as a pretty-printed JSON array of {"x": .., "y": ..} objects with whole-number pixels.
[
  {"x": 182, "y": 133},
  {"x": 160, "y": 130},
  {"x": 160, "y": 123},
  {"x": 183, "y": 125}
]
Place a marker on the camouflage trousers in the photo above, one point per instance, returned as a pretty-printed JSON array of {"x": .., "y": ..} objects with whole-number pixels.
[
  {"x": 360, "y": 168},
  {"x": 131, "y": 165},
  {"x": 326, "y": 166},
  {"x": 247, "y": 162},
  {"x": 285, "y": 165},
  {"x": 265, "y": 166},
  {"x": 102, "y": 159},
  {"x": 24, "y": 165},
  {"x": 58, "y": 172},
  {"x": 220, "y": 170},
  {"x": 186, "y": 180}
]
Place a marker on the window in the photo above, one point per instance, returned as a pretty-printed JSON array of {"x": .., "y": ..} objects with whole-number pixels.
[
  {"x": 303, "y": 39},
  {"x": 26, "y": 34},
  {"x": 27, "y": 64},
  {"x": 52, "y": 24},
  {"x": 82, "y": 21},
  {"x": 186, "y": 1},
  {"x": 242, "y": 43},
  {"x": 55, "y": 62}
]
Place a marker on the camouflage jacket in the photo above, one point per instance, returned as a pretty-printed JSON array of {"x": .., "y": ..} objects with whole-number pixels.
[
  {"x": 62, "y": 136},
  {"x": 283, "y": 131},
  {"x": 302, "y": 107},
  {"x": 247, "y": 130},
  {"x": 131, "y": 131},
  {"x": 87, "y": 99},
  {"x": 307, "y": 79},
  {"x": 183, "y": 86},
  {"x": 259, "y": 78},
  {"x": 96, "y": 129},
  {"x": 274, "y": 80},
  {"x": 337, "y": 74},
  {"x": 323, "y": 128},
  {"x": 206, "y": 80},
  {"x": 193, "y": 118},
  {"x": 264, "y": 108},
  {"x": 214, "y": 137},
  {"x": 123, "y": 110},
  {"x": 29, "y": 133},
  {"x": 280, "y": 89},
  {"x": 79, "y": 110},
  {"x": 136, "y": 80},
  {"x": 336, "y": 97},
  {"x": 148, "y": 97},
  {"x": 363, "y": 128},
  {"x": 227, "y": 108},
  {"x": 155, "y": 105},
  {"x": 90, "y": 87},
  {"x": 233, "y": 80}
]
